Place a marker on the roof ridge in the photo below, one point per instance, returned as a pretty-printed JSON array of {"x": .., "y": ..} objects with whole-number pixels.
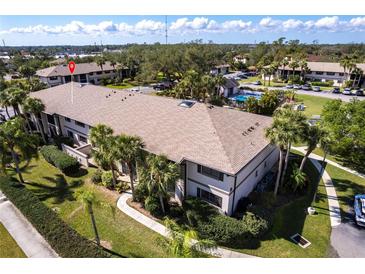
[{"x": 206, "y": 108}]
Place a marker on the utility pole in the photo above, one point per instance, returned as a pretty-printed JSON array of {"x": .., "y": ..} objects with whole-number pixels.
[{"x": 166, "y": 29}]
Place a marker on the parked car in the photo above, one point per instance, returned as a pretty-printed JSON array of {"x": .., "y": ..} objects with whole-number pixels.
[
  {"x": 289, "y": 86},
  {"x": 359, "y": 92},
  {"x": 336, "y": 90},
  {"x": 316, "y": 89},
  {"x": 306, "y": 87},
  {"x": 296, "y": 86},
  {"x": 347, "y": 91},
  {"x": 257, "y": 83},
  {"x": 242, "y": 76},
  {"x": 237, "y": 78},
  {"x": 359, "y": 209}
]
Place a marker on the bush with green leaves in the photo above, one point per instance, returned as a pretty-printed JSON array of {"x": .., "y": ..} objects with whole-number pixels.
[
  {"x": 122, "y": 187},
  {"x": 152, "y": 204},
  {"x": 322, "y": 84},
  {"x": 63, "y": 239},
  {"x": 59, "y": 140},
  {"x": 140, "y": 192},
  {"x": 61, "y": 160},
  {"x": 107, "y": 178},
  {"x": 255, "y": 225},
  {"x": 96, "y": 177}
]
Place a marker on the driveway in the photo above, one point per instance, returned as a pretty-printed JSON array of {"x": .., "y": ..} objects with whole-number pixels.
[
  {"x": 324, "y": 93},
  {"x": 348, "y": 240}
]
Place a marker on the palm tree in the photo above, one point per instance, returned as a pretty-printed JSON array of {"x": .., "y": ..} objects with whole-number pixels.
[
  {"x": 35, "y": 107},
  {"x": 161, "y": 173},
  {"x": 303, "y": 65},
  {"x": 100, "y": 61},
  {"x": 288, "y": 126},
  {"x": 283, "y": 64},
  {"x": 105, "y": 154},
  {"x": 312, "y": 138},
  {"x": 113, "y": 63},
  {"x": 18, "y": 143},
  {"x": 15, "y": 97},
  {"x": 5, "y": 101},
  {"x": 358, "y": 73},
  {"x": 129, "y": 150},
  {"x": 88, "y": 199},
  {"x": 348, "y": 64},
  {"x": 293, "y": 65},
  {"x": 185, "y": 243},
  {"x": 298, "y": 177}
]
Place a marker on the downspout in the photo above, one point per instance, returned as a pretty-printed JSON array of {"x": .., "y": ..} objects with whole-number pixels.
[{"x": 234, "y": 193}]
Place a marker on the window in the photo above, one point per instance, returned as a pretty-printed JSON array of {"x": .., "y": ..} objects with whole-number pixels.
[
  {"x": 68, "y": 119},
  {"x": 319, "y": 72},
  {"x": 209, "y": 197},
  {"x": 91, "y": 73},
  {"x": 265, "y": 164},
  {"x": 79, "y": 124},
  {"x": 99, "y": 72},
  {"x": 256, "y": 173},
  {"x": 330, "y": 73},
  {"x": 50, "y": 119},
  {"x": 341, "y": 74},
  {"x": 186, "y": 104},
  {"x": 82, "y": 139},
  {"x": 53, "y": 78},
  {"x": 70, "y": 134},
  {"x": 106, "y": 71},
  {"x": 210, "y": 172}
]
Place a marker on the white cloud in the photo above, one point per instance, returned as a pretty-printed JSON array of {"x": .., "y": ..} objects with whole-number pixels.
[{"x": 186, "y": 25}]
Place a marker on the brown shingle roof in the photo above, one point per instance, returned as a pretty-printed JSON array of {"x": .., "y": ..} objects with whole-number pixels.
[
  {"x": 82, "y": 68},
  {"x": 211, "y": 136},
  {"x": 325, "y": 66}
]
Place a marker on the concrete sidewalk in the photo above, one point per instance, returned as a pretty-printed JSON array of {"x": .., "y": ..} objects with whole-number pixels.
[
  {"x": 26, "y": 236},
  {"x": 161, "y": 229}
]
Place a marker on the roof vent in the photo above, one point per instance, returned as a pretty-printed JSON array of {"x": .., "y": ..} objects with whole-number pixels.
[{"x": 187, "y": 104}]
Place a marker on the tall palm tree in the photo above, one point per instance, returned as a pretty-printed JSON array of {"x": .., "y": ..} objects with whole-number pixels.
[
  {"x": 293, "y": 65},
  {"x": 35, "y": 107},
  {"x": 348, "y": 64},
  {"x": 100, "y": 61},
  {"x": 129, "y": 150},
  {"x": 303, "y": 65},
  {"x": 312, "y": 138},
  {"x": 18, "y": 143},
  {"x": 358, "y": 73},
  {"x": 161, "y": 173},
  {"x": 185, "y": 243},
  {"x": 88, "y": 199},
  {"x": 283, "y": 64},
  {"x": 105, "y": 154},
  {"x": 15, "y": 97},
  {"x": 5, "y": 101}
]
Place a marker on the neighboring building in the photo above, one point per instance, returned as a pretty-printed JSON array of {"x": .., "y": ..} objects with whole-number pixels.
[
  {"x": 229, "y": 88},
  {"x": 240, "y": 59},
  {"x": 84, "y": 73},
  {"x": 222, "y": 152},
  {"x": 220, "y": 70},
  {"x": 324, "y": 71}
]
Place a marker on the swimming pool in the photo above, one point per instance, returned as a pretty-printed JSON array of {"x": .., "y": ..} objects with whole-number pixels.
[{"x": 243, "y": 97}]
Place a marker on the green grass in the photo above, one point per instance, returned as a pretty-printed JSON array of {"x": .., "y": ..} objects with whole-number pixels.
[
  {"x": 319, "y": 151},
  {"x": 314, "y": 104},
  {"x": 347, "y": 185},
  {"x": 124, "y": 235},
  {"x": 121, "y": 86},
  {"x": 259, "y": 78},
  {"x": 8, "y": 247},
  {"x": 291, "y": 219}
]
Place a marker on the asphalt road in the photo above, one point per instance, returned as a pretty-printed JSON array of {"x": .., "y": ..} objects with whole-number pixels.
[
  {"x": 348, "y": 240},
  {"x": 324, "y": 93}
]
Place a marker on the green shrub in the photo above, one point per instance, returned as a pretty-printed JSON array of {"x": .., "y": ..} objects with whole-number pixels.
[
  {"x": 152, "y": 205},
  {"x": 255, "y": 225},
  {"x": 140, "y": 192},
  {"x": 62, "y": 238},
  {"x": 322, "y": 84},
  {"x": 59, "y": 140},
  {"x": 107, "y": 178},
  {"x": 60, "y": 159},
  {"x": 224, "y": 230},
  {"x": 122, "y": 186},
  {"x": 96, "y": 177}
]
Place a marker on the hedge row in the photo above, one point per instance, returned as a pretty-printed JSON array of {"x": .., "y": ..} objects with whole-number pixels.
[
  {"x": 60, "y": 159},
  {"x": 63, "y": 239}
]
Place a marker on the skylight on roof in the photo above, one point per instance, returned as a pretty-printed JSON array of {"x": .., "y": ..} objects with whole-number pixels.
[{"x": 186, "y": 104}]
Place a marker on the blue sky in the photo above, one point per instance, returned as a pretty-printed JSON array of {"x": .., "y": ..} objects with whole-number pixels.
[{"x": 82, "y": 30}]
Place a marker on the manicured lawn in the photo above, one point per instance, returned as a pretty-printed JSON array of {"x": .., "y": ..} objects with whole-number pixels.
[
  {"x": 314, "y": 104},
  {"x": 347, "y": 185},
  {"x": 121, "y": 86},
  {"x": 119, "y": 232},
  {"x": 320, "y": 152},
  {"x": 291, "y": 219},
  {"x": 259, "y": 78},
  {"x": 8, "y": 247}
]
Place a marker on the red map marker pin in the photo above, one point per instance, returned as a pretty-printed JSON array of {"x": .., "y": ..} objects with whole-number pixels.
[{"x": 72, "y": 66}]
